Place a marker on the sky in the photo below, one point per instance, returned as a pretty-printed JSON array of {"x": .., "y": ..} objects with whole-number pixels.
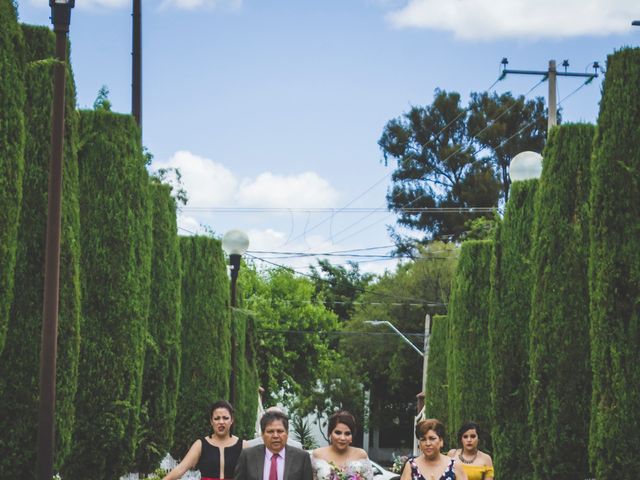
[{"x": 272, "y": 110}]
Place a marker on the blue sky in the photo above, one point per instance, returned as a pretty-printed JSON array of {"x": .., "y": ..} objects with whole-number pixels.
[{"x": 279, "y": 104}]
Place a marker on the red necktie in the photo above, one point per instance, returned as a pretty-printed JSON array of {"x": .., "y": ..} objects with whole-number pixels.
[{"x": 273, "y": 472}]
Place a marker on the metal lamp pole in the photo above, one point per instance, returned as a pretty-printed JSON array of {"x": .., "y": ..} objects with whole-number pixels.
[
  {"x": 424, "y": 354},
  {"x": 60, "y": 18},
  {"x": 235, "y": 243}
]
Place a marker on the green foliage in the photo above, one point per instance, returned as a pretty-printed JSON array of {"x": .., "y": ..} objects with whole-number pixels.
[
  {"x": 560, "y": 377},
  {"x": 468, "y": 359},
  {"x": 12, "y": 142},
  {"x": 438, "y": 148},
  {"x": 293, "y": 354},
  {"x": 116, "y": 243},
  {"x": 383, "y": 362},
  {"x": 246, "y": 407},
  {"x": 20, "y": 360},
  {"x": 302, "y": 432},
  {"x": 102, "y": 101},
  {"x": 338, "y": 287},
  {"x": 437, "y": 387},
  {"x": 163, "y": 350},
  {"x": 614, "y": 271},
  {"x": 509, "y": 312},
  {"x": 206, "y": 338}
]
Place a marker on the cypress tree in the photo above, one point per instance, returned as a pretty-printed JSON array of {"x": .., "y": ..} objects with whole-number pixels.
[
  {"x": 436, "y": 390},
  {"x": 20, "y": 361},
  {"x": 116, "y": 261},
  {"x": 162, "y": 361},
  {"x": 614, "y": 271},
  {"x": 560, "y": 374},
  {"x": 206, "y": 338},
  {"x": 509, "y": 310},
  {"x": 246, "y": 406},
  {"x": 12, "y": 140},
  {"x": 469, "y": 395}
]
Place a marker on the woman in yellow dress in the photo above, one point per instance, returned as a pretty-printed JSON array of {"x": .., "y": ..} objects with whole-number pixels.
[{"x": 476, "y": 464}]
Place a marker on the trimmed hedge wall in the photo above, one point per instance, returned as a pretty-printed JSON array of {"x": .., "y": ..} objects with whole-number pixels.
[
  {"x": 614, "y": 271},
  {"x": 468, "y": 362},
  {"x": 560, "y": 377},
  {"x": 436, "y": 390},
  {"x": 206, "y": 338},
  {"x": 20, "y": 361},
  {"x": 116, "y": 261},
  {"x": 12, "y": 141},
  {"x": 162, "y": 362},
  {"x": 243, "y": 324},
  {"x": 509, "y": 310}
]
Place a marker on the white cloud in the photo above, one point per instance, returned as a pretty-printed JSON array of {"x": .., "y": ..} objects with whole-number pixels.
[
  {"x": 211, "y": 184},
  {"x": 493, "y": 19},
  {"x": 305, "y": 190},
  {"x": 207, "y": 183}
]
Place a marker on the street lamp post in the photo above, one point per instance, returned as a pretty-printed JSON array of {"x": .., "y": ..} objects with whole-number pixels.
[
  {"x": 424, "y": 354},
  {"x": 234, "y": 243},
  {"x": 392, "y": 327},
  {"x": 60, "y": 18}
]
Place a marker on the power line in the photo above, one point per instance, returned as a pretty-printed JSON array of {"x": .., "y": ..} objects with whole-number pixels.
[
  {"x": 303, "y": 234},
  {"x": 360, "y": 289}
]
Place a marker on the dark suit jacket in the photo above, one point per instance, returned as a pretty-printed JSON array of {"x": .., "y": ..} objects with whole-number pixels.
[{"x": 250, "y": 466}]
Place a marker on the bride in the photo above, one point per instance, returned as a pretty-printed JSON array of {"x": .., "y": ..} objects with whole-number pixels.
[{"x": 339, "y": 460}]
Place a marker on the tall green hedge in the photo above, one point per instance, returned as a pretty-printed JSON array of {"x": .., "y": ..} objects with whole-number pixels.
[
  {"x": 437, "y": 388},
  {"x": 614, "y": 271},
  {"x": 116, "y": 261},
  {"x": 560, "y": 372},
  {"x": 243, "y": 325},
  {"x": 468, "y": 361},
  {"x": 20, "y": 360},
  {"x": 509, "y": 310},
  {"x": 206, "y": 338},
  {"x": 162, "y": 362},
  {"x": 12, "y": 140}
]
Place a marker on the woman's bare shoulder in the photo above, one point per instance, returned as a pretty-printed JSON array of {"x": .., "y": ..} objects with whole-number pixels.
[
  {"x": 320, "y": 453},
  {"x": 359, "y": 453},
  {"x": 453, "y": 452},
  {"x": 486, "y": 458}
]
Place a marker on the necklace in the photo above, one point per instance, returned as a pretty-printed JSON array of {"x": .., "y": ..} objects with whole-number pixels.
[{"x": 464, "y": 460}]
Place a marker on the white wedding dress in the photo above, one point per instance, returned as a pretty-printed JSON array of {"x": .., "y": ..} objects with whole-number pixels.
[{"x": 353, "y": 470}]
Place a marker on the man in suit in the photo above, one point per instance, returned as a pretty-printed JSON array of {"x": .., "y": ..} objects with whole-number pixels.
[
  {"x": 258, "y": 440},
  {"x": 274, "y": 460}
]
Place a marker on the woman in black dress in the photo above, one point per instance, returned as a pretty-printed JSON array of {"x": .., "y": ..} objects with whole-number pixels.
[{"x": 215, "y": 455}]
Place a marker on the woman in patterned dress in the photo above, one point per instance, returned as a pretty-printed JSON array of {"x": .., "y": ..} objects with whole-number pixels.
[{"x": 432, "y": 464}]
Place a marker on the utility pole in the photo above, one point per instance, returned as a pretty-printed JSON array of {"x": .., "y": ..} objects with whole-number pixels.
[
  {"x": 551, "y": 74},
  {"x": 136, "y": 63},
  {"x": 60, "y": 18}
]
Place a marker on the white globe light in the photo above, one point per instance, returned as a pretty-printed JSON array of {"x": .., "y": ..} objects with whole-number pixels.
[
  {"x": 235, "y": 242},
  {"x": 525, "y": 165}
]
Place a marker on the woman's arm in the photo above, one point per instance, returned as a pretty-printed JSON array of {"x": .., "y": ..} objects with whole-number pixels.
[
  {"x": 406, "y": 471},
  {"x": 489, "y": 463},
  {"x": 189, "y": 461},
  {"x": 460, "y": 474}
]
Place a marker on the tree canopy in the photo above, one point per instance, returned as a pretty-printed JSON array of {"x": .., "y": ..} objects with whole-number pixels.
[{"x": 456, "y": 158}]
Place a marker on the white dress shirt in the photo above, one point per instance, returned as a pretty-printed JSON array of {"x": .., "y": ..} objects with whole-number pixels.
[{"x": 267, "y": 464}]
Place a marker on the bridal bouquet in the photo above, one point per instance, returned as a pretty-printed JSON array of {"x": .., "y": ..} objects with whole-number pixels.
[{"x": 356, "y": 472}]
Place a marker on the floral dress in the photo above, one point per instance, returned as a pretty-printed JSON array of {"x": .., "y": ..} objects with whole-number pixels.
[
  {"x": 353, "y": 470},
  {"x": 449, "y": 473}
]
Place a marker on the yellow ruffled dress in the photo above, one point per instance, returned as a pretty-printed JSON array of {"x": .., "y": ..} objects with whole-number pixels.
[{"x": 477, "y": 472}]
